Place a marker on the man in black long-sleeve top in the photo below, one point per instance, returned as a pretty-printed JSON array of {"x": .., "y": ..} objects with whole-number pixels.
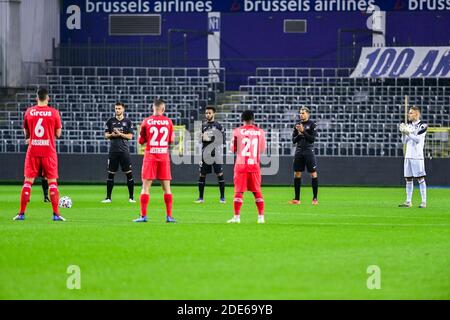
[{"x": 304, "y": 136}]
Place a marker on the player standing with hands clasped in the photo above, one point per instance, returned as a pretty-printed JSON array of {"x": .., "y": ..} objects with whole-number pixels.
[
  {"x": 119, "y": 130},
  {"x": 413, "y": 135},
  {"x": 304, "y": 136}
]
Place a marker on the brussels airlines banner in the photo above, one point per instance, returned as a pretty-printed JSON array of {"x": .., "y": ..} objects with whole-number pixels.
[
  {"x": 164, "y": 6},
  {"x": 403, "y": 62}
]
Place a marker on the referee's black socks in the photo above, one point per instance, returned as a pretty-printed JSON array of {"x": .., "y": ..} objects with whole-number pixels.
[
  {"x": 109, "y": 185},
  {"x": 45, "y": 188},
  {"x": 315, "y": 186},
  {"x": 201, "y": 186},
  {"x": 130, "y": 184},
  {"x": 297, "y": 186},
  {"x": 221, "y": 181}
]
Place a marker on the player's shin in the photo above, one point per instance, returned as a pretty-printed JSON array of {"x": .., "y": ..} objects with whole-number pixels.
[
  {"x": 145, "y": 199},
  {"x": 201, "y": 186},
  {"x": 25, "y": 196},
  {"x": 130, "y": 184},
  {"x": 221, "y": 181},
  {"x": 315, "y": 186},
  {"x": 54, "y": 196},
  {"x": 409, "y": 190},
  {"x": 297, "y": 186},
  {"x": 238, "y": 201},
  {"x": 168, "y": 202},
  {"x": 109, "y": 185},
  {"x": 423, "y": 190},
  {"x": 259, "y": 201},
  {"x": 45, "y": 187}
]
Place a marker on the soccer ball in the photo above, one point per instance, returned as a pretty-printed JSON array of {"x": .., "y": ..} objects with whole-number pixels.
[{"x": 65, "y": 202}]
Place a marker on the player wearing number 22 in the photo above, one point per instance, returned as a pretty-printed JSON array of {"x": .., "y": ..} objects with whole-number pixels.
[
  {"x": 248, "y": 142},
  {"x": 157, "y": 133},
  {"x": 42, "y": 124}
]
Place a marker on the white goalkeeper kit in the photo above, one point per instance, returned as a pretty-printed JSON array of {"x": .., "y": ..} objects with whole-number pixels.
[{"x": 413, "y": 135}]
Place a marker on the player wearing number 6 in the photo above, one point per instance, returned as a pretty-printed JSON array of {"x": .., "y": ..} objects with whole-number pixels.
[
  {"x": 248, "y": 142},
  {"x": 41, "y": 125},
  {"x": 157, "y": 133}
]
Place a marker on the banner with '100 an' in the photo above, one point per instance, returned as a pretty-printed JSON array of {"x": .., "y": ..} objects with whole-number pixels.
[{"x": 403, "y": 62}]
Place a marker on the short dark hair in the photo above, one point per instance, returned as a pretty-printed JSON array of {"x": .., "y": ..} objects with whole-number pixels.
[
  {"x": 306, "y": 109},
  {"x": 248, "y": 115},
  {"x": 415, "y": 108},
  {"x": 158, "y": 102},
  {"x": 211, "y": 108},
  {"x": 42, "y": 94},
  {"x": 120, "y": 104}
]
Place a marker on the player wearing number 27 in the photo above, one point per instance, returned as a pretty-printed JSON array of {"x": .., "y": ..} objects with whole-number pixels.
[
  {"x": 41, "y": 125},
  {"x": 248, "y": 142},
  {"x": 157, "y": 133}
]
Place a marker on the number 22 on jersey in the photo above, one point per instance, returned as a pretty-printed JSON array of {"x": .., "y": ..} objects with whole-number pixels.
[{"x": 159, "y": 137}]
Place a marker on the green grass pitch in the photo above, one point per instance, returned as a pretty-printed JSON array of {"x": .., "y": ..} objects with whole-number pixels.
[{"x": 302, "y": 252}]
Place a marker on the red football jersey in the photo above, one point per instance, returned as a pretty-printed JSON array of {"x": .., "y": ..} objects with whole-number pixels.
[
  {"x": 248, "y": 143},
  {"x": 42, "y": 122},
  {"x": 157, "y": 132}
]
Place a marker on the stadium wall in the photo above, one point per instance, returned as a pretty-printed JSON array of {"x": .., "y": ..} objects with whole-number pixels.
[
  {"x": 91, "y": 168},
  {"x": 39, "y": 28},
  {"x": 242, "y": 42}
]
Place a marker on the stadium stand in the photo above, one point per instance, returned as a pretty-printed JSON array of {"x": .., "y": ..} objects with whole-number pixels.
[
  {"x": 85, "y": 97},
  {"x": 356, "y": 116}
]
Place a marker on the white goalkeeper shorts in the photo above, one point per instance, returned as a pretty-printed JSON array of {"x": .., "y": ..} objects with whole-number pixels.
[{"x": 414, "y": 168}]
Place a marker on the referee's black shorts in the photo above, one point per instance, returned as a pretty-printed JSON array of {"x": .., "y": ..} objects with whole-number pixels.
[
  {"x": 305, "y": 160},
  {"x": 205, "y": 168},
  {"x": 119, "y": 158}
]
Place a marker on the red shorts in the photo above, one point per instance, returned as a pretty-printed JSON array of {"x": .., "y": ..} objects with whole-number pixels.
[
  {"x": 247, "y": 181},
  {"x": 41, "y": 167},
  {"x": 152, "y": 170}
]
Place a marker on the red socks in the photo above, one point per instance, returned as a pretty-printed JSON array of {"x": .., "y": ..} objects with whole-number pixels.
[
  {"x": 168, "y": 202},
  {"x": 26, "y": 193},
  {"x": 238, "y": 201},
  {"x": 54, "y": 196},
  {"x": 145, "y": 199},
  {"x": 259, "y": 201},
  {"x": 25, "y": 196}
]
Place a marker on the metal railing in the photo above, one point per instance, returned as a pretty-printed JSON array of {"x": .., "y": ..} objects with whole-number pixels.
[
  {"x": 2, "y": 67},
  {"x": 104, "y": 54}
]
